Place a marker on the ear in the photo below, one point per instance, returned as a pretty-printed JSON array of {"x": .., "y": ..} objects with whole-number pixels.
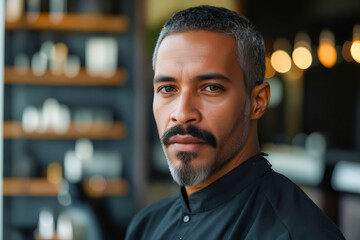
[{"x": 260, "y": 97}]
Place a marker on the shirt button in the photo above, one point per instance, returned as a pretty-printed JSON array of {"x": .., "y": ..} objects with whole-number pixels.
[{"x": 186, "y": 219}]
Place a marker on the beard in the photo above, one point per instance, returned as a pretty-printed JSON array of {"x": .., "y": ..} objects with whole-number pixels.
[{"x": 186, "y": 174}]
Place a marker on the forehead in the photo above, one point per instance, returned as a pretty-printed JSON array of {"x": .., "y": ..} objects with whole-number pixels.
[{"x": 194, "y": 48}]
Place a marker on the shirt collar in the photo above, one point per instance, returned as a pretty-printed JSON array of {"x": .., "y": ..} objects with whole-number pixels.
[{"x": 226, "y": 187}]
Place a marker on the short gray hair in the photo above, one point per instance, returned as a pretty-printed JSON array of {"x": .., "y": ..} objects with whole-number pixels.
[{"x": 249, "y": 41}]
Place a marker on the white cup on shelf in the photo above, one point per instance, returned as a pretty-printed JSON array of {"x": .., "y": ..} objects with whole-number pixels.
[
  {"x": 46, "y": 227},
  {"x": 30, "y": 119},
  {"x": 55, "y": 117},
  {"x": 65, "y": 227},
  {"x": 49, "y": 114},
  {"x": 14, "y": 10},
  {"x": 72, "y": 167},
  {"x": 84, "y": 148},
  {"x": 101, "y": 56}
]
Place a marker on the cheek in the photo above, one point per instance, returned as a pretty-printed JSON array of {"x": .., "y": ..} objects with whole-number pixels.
[{"x": 225, "y": 119}]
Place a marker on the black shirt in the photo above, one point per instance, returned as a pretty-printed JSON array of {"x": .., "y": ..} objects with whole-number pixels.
[{"x": 251, "y": 202}]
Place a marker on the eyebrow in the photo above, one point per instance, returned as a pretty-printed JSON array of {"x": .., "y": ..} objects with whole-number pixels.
[
  {"x": 203, "y": 77},
  {"x": 161, "y": 78},
  {"x": 210, "y": 76}
]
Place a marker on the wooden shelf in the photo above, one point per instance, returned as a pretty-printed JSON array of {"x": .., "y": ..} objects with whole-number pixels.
[
  {"x": 72, "y": 22},
  {"x": 37, "y": 237},
  {"x": 99, "y": 187},
  {"x": 94, "y": 130},
  {"x": 93, "y": 187},
  {"x": 82, "y": 79},
  {"x": 29, "y": 187}
]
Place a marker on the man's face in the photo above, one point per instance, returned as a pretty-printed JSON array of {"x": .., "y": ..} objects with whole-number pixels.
[{"x": 200, "y": 104}]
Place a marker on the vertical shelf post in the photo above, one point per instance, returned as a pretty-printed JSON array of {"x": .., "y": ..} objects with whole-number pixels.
[
  {"x": 141, "y": 110},
  {"x": 2, "y": 44}
]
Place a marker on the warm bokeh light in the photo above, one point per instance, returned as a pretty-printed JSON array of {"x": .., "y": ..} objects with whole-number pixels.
[
  {"x": 302, "y": 57},
  {"x": 326, "y": 50},
  {"x": 355, "y": 50},
  {"x": 346, "y": 51},
  {"x": 281, "y": 61},
  {"x": 269, "y": 71},
  {"x": 327, "y": 54}
]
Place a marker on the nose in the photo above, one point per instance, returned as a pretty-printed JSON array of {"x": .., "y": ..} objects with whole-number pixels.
[{"x": 186, "y": 110}]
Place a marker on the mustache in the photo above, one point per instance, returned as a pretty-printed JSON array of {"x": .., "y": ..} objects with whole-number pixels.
[{"x": 191, "y": 130}]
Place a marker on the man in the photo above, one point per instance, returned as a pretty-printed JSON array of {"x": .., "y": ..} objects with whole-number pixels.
[{"x": 209, "y": 92}]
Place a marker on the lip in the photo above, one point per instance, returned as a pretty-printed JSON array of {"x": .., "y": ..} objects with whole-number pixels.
[{"x": 186, "y": 143}]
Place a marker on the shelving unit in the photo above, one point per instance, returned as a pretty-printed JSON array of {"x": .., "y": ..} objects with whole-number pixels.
[
  {"x": 72, "y": 22},
  {"x": 116, "y": 93},
  {"x": 82, "y": 79}
]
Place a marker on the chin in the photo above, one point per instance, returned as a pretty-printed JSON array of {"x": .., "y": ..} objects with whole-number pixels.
[{"x": 186, "y": 170}]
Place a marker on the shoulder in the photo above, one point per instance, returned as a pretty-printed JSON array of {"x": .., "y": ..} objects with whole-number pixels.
[
  {"x": 151, "y": 214},
  {"x": 286, "y": 198},
  {"x": 276, "y": 184},
  {"x": 297, "y": 212}
]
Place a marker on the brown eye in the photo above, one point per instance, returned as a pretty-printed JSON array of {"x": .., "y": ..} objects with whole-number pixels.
[
  {"x": 167, "y": 89},
  {"x": 212, "y": 88}
]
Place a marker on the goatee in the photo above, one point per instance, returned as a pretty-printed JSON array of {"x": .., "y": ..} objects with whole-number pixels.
[{"x": 186, "y": 175}]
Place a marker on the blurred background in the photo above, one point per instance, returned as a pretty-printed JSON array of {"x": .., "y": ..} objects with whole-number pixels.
[{"x": 80, "y": 150}]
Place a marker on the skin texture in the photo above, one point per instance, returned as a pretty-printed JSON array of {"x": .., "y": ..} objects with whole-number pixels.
[{"x": 198, "y": 82}]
